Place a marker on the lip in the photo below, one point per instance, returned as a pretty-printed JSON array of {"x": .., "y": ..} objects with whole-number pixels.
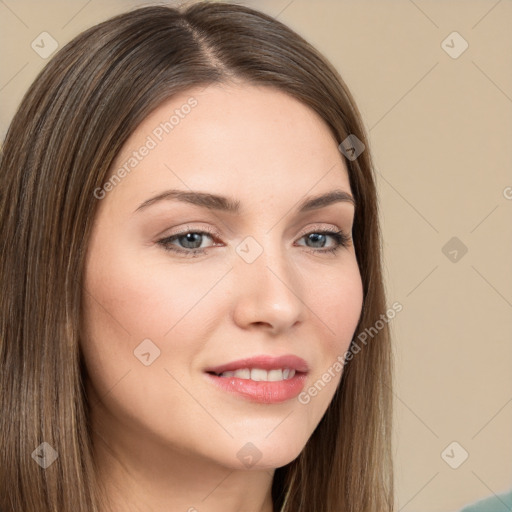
[
  {"x": 265, "y": 362},
  {"x": 265, "y": 392}
]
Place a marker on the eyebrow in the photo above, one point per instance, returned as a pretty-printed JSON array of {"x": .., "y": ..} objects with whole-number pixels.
[{"x": 222, "y": 203}]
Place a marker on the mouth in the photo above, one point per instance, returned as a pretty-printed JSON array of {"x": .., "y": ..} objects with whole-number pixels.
[
  {"x": 262, "y": 367},
  {"x": 259, "y": 374},
  {"x": 262, "y": 379}
]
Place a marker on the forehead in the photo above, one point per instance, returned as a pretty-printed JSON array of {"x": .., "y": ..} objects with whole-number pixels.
[{"x": 246, "y": 139}]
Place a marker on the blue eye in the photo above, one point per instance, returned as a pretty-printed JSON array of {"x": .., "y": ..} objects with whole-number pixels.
[
  {"x": 191, "y": 242},
  {"x": 341, "y": 240}
]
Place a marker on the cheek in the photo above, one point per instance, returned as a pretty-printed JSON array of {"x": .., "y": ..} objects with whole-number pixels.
[
  {"x": 339, "y": 308},
  {"x": 129, "y": 307},
  {"x": 145, "y": 297},
  {"x": 123, "y": 305},
  {"x": 130, "y": 298}
]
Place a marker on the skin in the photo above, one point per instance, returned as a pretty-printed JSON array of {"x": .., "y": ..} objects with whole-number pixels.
[{"x": 164, "y": 437}]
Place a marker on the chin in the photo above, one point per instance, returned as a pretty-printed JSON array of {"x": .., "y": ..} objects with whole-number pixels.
[{"x": 266, "y": 454}]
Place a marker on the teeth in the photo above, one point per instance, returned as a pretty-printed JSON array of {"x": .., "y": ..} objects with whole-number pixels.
[
  {"x": 257, "y": 374},
  {"x": 242, "y": 374},
  {"x": 274, "y": 375}
]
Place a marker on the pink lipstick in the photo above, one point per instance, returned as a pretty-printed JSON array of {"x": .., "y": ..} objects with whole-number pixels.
[{"x": 264, "y": 379}]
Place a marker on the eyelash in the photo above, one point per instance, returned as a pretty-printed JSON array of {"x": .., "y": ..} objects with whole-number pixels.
[{"x": 340, "y": 237}]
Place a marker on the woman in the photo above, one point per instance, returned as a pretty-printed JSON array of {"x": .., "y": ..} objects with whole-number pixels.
[{"x": 191, "y": 258}]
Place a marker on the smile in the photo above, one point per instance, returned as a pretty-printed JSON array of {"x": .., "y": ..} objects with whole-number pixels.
[{"x": 258, "y": 374}]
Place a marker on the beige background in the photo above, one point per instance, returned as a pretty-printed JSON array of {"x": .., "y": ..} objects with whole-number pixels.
[{"x": 440, "y": 130}]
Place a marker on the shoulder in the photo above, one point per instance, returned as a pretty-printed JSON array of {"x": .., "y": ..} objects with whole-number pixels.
[{"x": 496, "y": 503}]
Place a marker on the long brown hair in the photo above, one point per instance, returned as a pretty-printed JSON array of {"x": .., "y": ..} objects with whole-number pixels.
[{"x": 60, "y": 146}]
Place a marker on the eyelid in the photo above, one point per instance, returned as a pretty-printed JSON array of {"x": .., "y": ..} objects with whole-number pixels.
[
  {"x": 321, "y": 227},
  {"x": 187, "y": 229},
  {"x": 216, "y": 234},
  {"x": 342, "y": 238}
]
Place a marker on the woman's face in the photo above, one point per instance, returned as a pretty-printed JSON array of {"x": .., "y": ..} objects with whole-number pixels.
[{"x": 185, "y": 283}]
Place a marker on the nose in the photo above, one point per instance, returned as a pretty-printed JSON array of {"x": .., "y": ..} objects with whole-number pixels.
[{"x": 269, "y": 292}]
